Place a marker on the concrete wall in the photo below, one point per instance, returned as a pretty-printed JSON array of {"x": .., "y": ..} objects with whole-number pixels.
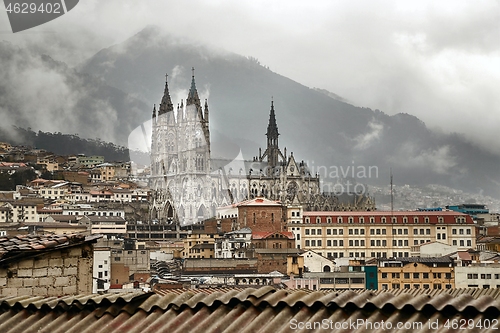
[
  {"x": 56, "y": 273},
  {"x": 479, "y": 276}
]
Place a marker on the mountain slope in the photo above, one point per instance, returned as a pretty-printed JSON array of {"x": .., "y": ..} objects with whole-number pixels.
[
  {"x": 113, "y": 92},
  {"x": 39, "y": 92},
  {"x": 328, "y": 133}
]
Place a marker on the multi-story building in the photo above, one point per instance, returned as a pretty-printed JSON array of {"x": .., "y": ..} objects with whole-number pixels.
[
  {"x": 478, "y": 275},
  {"x": 87, "y": 209},
  {"x": 234, "y": 244},
  {"x": 199, "y": 245},
  {"x": 48, "y": 162},
  {"x": 416, "y": 273},
  {"x": 20, "y": 211},
  {"x": 126, "y": 262},
  {"x": 106, "y": 225},
  {"x": 101, "y": 276},
  {"x": 379, "y": 234},
  {"x": 90, "y": 161}
]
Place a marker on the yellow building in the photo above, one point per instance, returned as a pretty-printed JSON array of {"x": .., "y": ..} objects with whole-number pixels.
[
  {"x": 416, "y": 273},
  {"x": 199, "y": 245}
]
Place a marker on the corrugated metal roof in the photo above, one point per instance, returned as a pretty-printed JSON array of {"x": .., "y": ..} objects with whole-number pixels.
[{"x": 248, "y": 310}]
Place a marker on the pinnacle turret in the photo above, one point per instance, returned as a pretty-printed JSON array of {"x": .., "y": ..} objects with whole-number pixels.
[
  {"x": 193, "y": 97},
  {"x": 272, "y": 127},
  {"x": 166, "y": 103}
]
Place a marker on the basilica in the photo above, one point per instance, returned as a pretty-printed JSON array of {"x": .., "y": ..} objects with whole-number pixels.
[{"x": 188, "y": 185}]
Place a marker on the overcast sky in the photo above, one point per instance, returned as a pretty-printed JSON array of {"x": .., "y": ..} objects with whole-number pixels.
[{"x": 437, "y": 60}]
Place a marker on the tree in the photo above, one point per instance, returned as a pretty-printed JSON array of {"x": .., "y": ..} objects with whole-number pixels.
[
  {"x": 21, "y": 177},
  {"x": 6, "y": 184}
]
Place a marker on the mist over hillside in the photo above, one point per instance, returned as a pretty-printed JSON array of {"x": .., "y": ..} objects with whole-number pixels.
[{"x": 113, "y": 92}]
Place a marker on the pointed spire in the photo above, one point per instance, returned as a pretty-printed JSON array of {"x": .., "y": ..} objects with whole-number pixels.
[
  {"x": 154, "y": 110},
  {"x": 193, "y": 93},
  {"x": 205, "y": 116},
  {"x": 166, "y": 103},
  {"x": 272, "y": 127}
]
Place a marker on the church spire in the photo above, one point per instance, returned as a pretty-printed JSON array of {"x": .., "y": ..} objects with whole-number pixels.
[
  {"x": 272, "y": 127},
  {"x": 272, "y": 151},
  {"x": 193, "y": 93},
  {"x": 166, "y": 103}
]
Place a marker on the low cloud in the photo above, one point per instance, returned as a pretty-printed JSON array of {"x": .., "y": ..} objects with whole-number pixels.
[{"x": 365, "y": 141}]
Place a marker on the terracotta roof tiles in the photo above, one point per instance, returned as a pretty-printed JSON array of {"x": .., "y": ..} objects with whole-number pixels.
[{"x": 17, "y": 246}]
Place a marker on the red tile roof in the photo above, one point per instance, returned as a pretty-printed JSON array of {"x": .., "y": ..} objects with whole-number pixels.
[
  {"x": 448, "y": 217},
  {"x": 14, "y": 248}
]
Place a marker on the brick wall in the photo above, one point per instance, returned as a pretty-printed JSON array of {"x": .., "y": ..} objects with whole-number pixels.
[
  {"x": 261, "y": 218},
  {"x": 269, "y": 263},
  {"x": 225, "y": 225},
  {"x": 235, "y": 266},
  {"x": 55, "y": 273}
]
